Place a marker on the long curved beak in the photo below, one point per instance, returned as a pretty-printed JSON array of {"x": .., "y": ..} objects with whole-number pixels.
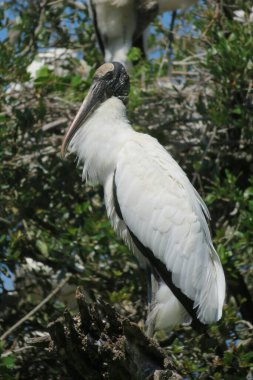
[{"x": 94, "y": 98}]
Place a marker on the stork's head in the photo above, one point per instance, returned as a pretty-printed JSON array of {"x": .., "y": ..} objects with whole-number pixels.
[{"x": 110, "y": 79}]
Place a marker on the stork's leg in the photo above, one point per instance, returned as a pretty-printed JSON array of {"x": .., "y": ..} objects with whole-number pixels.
[
  {"x": 149, "y": 289},
  {"x": 169, "y": 340},
  {"x": 152, "y": 286}
]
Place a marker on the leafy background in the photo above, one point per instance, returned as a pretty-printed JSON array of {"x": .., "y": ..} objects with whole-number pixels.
[{"x": 199, "y": 107}]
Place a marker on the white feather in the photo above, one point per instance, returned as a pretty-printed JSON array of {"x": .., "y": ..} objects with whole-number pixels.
[
  {"x": 117, "y": 23},
  {"x": 159, "y": 205},
  {"x": 167, "y": 312}
]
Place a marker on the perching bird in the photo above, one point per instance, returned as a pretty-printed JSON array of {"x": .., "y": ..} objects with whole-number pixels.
[
  {"x": 150, "y": 203},
  {"x": 119, "y": 24},
  {"x": 56, "y": 60}
]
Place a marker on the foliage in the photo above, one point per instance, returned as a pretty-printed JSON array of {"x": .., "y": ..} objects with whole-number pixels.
[
  {"x": 202, "y": 113},
  {"x": 7, "y": 363}
]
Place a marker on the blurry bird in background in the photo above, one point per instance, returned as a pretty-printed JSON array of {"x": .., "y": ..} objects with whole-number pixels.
[
  {"x": 120, "y": 24},
  {"x": 151, "y": 204},
  {"x": 59, "y": 61}
]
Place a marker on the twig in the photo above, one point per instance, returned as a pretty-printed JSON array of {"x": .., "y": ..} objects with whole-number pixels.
[
  {"x": 39, "y": 340},
  {"x": 214, "y": 19},
  {"x": 39, "y": 306},
  {"x": 171, "y": 40},
  {"x": 64, "y": 101},
  {"x": 37, "y": 30},
  {"x": 78, "y": 5},
  {"x": 55, "y": 123},
  {"x": 169, "y": 340},
  {"x": 205, "y": 152},
  {"x": 244, "y": 322},
  {"x": 5, "y": 221},
  {"x": 17, "y": 351}
]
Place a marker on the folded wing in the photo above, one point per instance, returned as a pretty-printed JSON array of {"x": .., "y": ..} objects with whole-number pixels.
[{"x": 166, "y": 216}]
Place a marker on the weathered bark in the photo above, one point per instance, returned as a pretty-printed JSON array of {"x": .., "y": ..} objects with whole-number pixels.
[{"x": 100, "y": 344}]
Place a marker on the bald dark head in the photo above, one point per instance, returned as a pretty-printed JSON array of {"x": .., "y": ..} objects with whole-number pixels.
[
  {"x": 114, "y": 80},
  {"x": 110, "y": 79}
]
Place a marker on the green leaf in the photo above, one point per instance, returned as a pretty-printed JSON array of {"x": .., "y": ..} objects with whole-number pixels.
[
  {"x": 237, "y": 110},
  {"x": 134, "y": 54},
  {"x": 43, "y": 72},
  {"x": 76, "y": 80},
  {"x": 42, "y": 247},
  {"x": 8, "y": 362},
  {"x": 248, "y": 193}
]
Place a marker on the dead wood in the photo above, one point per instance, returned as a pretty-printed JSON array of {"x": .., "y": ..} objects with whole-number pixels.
[{"x": 98, "y": 343}]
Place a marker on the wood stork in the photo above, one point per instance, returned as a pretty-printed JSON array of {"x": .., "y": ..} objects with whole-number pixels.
[
  {"x": 150, "y": 203},
  {"x": 120, "y": 23},
  {"x": 57, "y": 60}
]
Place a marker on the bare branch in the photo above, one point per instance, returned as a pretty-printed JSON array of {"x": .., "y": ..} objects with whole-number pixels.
[
  {"x": 99, "y": 344},
  {"x": 38, "y": 307},
  {"x": 55, "y": 123}
]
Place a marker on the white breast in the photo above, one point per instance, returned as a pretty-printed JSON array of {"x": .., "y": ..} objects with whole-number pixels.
[{"x": 99, "y": 141}]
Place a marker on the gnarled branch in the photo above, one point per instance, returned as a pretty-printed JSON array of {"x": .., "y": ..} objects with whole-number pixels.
[{"x": 100, "y": 344}]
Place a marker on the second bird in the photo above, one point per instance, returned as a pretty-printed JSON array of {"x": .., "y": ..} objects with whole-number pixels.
[{"x": 120, "y": 24}]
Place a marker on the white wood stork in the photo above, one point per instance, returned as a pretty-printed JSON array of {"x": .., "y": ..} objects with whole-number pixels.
[
  {"x": 120, "y": 23},
  {"x": 150, "y": 203},
  {"x": 56, "y": 60}
]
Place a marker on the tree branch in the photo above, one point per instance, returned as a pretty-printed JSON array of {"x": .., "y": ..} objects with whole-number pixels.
[
  {"x": 100, "y": 344},
  {"x": 33, "y": 311}
]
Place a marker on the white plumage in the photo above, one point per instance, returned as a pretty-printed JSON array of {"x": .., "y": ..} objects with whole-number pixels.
[
  {"x": 57, "y": 60},
  {"x": 119, "y": 23},
  {"x": 152, "y": 205},
  {"x": 115, "y": 25}
]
